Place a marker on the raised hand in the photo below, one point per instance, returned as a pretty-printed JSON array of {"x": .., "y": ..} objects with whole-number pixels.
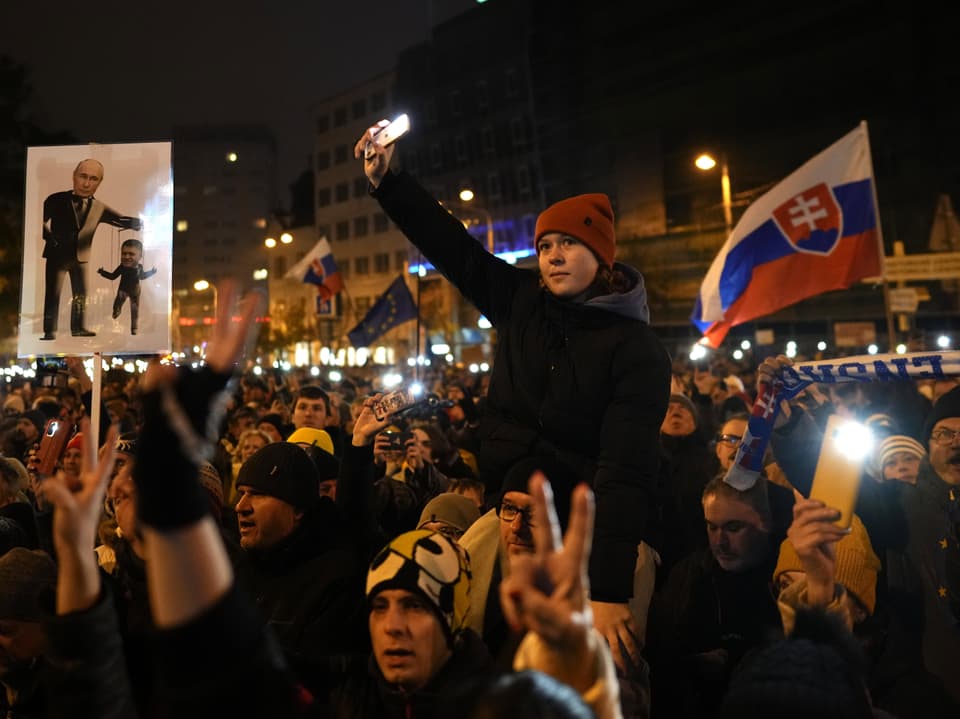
[
  {"x": 548, "y": 592},
  {"x": 367, "y": 426},
  {"x": 76, "y": 515},
  {"x": 377, "y": 160},
  {"x": 814, "y": 536}
]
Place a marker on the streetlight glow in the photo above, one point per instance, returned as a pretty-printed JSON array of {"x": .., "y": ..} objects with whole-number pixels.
[
  {"x": 466, "y": 194},
  {"x": 705, "y": 162},
  {"x": 286, "y": 238},
  {"x": 232, "y": 157},
  {"x": 270, "y": 243},
  {"x": 201, "y": 285}
]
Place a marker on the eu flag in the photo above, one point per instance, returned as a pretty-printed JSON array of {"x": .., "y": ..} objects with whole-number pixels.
[{"x": 393, "y": 307}]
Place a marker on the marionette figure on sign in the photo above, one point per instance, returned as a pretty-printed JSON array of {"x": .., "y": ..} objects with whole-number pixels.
[{"x": 130, "y": 271}]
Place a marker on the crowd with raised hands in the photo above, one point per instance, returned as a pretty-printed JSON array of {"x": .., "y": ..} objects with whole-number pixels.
[{"x": 560, "y": 542}]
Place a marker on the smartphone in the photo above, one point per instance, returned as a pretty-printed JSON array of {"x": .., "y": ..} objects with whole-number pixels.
[
  {"x": 387, "y": 135},
  {"x": 393, "y": 402},
  {"x": 54, "y": 440},
  {"x": 52, "y": 372},
  {"x": 836, "y": 480},
  {"x": 398, "y": 440}
]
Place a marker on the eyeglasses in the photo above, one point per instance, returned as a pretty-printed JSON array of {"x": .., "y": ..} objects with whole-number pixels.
[
  {"x": 509, "y": 512},
  {"x": 732, "y": 439},
  {"x": 944, "y": 435}
]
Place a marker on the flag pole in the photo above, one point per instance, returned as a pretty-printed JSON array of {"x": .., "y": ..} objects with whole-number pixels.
[
  {"x": 416, "y": 366},
  {"x": 891, "y": 337}
]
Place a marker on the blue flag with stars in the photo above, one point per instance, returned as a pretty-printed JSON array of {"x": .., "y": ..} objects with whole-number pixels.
[{"x": 393, "y": 307}]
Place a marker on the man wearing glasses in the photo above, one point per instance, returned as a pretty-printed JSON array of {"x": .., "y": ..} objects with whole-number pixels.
[
  {"x": 728, "y": 440},
  {"x": 499, "y": 536},
  {"x": 932, "y": 511}
]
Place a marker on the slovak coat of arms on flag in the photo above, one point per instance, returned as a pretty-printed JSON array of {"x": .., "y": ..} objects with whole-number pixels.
[{"x": 811, "y": 221}]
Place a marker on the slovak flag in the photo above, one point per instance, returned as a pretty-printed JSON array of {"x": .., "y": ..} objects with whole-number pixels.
[
  {"x": 318, "y": 268},
  {"x": 815, "y": 231}
]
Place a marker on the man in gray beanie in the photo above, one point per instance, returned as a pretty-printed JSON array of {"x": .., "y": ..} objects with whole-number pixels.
[{"x": 28, "y": 581}]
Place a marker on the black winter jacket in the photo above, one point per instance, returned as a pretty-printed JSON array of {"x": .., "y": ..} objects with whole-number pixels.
[{"x": 587, "y": 382}]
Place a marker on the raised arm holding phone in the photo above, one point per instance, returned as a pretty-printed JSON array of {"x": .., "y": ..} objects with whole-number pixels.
[{"x": 579, "y": 375}]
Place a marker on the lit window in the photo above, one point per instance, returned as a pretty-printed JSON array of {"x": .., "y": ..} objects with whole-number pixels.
[{"x": 182, "y": 225}]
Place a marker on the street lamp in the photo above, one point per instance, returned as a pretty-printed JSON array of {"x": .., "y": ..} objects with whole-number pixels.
[
  {"x": 203, "y": 286},
  {"x": 466, "y": 195},
  {"x": 706, "y": 162}
]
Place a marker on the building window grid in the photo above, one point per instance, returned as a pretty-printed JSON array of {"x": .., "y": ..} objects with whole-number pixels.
[
  {"x": 380, "y": 222},
  {"x": 323, "y": 197},
  {"x": 343, "y": 230},
  {"x": 361, "y": 226},
  {"x": 361, "y": 265},
  {"x": 517, "y": 131},
  {"x": 360, "y": 187},
  {"x": 523, "y": 181},
  {"x": 483, "y": 95},
  {"x": 493, "y": 186},
  {"x": 460, "y": 148},
  {"x": 381, "y": 262},
  {"x": 323, "y": 160},
  {"x": 341, "y": 154},
  {"x": 342, "y": 192},
  {"x": 340, "y": 117},
  {"x": 487, "y": 140}
]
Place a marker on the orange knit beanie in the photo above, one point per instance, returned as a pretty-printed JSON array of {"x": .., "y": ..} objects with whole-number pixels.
[{"x": 589, "y": 218}]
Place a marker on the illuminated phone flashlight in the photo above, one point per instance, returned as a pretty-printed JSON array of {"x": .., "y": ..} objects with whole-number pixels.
[{"x": 854, "y": 440}]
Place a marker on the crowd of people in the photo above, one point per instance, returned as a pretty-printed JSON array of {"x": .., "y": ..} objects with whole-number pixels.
[{"x": 555, "y": 539}]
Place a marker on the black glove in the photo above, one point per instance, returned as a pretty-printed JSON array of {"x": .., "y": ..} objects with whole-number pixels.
[{"x": 181, "y": 424}]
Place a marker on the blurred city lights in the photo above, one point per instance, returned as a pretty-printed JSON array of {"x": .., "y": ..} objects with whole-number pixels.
[
  {"x": 738, "y": 354},
  {"x": 943, "y": 341},
  {"x": 872, "y": 349},
  {"x": 697, "y": 352},
  {"x": 821, "y": 345},
  {"x": 483, "y": 323},
  {"x": 474, "y": 368},
  {"x": 270, "y": 242},
  {"x": 391, "y": 379},
  {"x": 745, "y": 345},
  {"x": 286, "y": 238},
  {"x": 441, "y": 348},
  {"x": 335, "y": 375},
  {"x": 901, "y": 349},
  {"x": 232, "y": 157}
]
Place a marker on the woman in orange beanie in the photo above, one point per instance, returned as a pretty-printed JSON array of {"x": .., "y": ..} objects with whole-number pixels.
[{"x": 579, "y": 375}]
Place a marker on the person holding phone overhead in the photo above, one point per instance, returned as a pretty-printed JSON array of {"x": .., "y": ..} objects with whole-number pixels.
[{"x": 579, "y": 375}]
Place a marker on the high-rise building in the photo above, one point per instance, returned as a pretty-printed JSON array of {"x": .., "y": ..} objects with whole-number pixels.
[{"x": 224, "y": 196}]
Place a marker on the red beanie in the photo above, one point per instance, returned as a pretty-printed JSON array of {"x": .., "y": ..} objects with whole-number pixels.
[
  {"x": 76, "y": 442},
  {"x": 589, "y": 218}
]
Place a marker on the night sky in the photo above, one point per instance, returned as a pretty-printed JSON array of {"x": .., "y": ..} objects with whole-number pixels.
[{"x": 114, "y": 71}]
